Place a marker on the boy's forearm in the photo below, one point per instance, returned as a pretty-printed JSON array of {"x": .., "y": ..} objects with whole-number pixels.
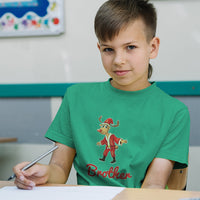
[
  {"x": 57, "y": 174},
  {"x": 60, "y": 164},
  {"x": 153, "y": 186}
]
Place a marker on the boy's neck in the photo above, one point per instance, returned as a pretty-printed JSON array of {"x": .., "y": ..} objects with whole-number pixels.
[{"x": 131, "y": 87}]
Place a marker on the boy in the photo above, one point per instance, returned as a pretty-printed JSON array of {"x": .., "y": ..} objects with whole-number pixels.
[{"x": 143, "y": 134}]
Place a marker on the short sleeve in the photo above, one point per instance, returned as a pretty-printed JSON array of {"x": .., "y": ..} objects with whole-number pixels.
[
  {"x": 176, "y": 144},
  {"x": 60, "y": 128}
]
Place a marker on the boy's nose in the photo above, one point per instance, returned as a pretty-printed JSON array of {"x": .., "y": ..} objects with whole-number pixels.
[{"x": 119, "y": 58}]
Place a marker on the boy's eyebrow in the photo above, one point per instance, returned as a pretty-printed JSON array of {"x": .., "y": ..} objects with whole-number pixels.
[
  {"x": 101, "y": 44},
  {"x": 127, "y": 43}
]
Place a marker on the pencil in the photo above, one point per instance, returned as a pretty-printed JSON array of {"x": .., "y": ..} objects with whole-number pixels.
[{"x": 35, "y": 161}]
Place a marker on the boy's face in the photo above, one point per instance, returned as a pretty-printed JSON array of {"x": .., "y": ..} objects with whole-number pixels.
[{"x": 126, "y": 57}]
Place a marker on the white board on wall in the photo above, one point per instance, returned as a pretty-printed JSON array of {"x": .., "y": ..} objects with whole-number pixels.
[{"x": 31, "y": 17}]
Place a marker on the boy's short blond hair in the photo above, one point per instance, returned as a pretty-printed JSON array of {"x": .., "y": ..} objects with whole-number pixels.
[{"x": 114, "y": 15}]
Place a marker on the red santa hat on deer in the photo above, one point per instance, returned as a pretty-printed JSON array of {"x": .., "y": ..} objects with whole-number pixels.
[{"x": 108, "y": 121}]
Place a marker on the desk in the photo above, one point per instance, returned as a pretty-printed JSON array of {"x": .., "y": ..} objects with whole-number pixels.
[
  {"x": 6, "y": 183},
  {"x": 3, "y": 140},
  {"x": 138, "y": 194},
  {"x": 155, "y": 194}
]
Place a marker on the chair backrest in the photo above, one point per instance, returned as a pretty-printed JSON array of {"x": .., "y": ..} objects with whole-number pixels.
[{"x": 178, "y": 179}]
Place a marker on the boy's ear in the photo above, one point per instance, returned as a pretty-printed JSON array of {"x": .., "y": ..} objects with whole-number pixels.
[
  {"x": 155, "y": 43},
  {"x": 98, "y": 45}
]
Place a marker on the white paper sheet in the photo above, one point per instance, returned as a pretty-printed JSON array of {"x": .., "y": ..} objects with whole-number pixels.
[
  {"x": 190, "y": 199},
  {"x": 61, "y": 193}
]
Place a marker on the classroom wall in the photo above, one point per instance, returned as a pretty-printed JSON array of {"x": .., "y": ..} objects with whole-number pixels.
[
  {"x": 70, "y": 57},
  {"x": 179, "y": 32},
  {"x": 74, "y": 57}
]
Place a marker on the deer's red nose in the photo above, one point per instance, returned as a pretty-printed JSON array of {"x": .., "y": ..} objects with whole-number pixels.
[{"x": 99, "y": 130}]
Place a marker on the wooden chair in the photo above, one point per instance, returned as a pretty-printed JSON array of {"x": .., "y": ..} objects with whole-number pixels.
[{"x": 178, "y": 179}]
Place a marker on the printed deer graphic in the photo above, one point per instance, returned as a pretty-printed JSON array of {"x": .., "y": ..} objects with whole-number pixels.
[{"x": 110, "y": 140}]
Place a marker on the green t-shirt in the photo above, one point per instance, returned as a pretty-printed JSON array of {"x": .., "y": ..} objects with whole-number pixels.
[{"x": 130, "y": 128}]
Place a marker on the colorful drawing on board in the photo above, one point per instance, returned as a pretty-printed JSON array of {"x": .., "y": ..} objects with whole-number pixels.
[{"x": 31, "y": 17}]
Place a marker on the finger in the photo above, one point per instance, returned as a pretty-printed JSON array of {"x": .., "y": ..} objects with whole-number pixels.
[
  {"x": 30, "y": 172},
  {"x": 24, "y": 183},
  {"x": 17, "y": 169},
  {"x": 21, "y": 180},
  {"x": 37, "y": 174},
  {"x": 36, "y": 170}
]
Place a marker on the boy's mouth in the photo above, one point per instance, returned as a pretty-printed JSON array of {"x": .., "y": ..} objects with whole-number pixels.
[{"x": 121, "y": 73}]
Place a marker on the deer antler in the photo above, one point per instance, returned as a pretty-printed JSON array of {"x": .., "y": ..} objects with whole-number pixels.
[
  {"x": 100, "y": 119},
  {"x": 116, "y": 124}
]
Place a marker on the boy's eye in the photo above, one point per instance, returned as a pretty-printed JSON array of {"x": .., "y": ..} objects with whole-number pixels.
[
  {"x": 107, "y": 50},
  {"x": 131, "y": 47}
]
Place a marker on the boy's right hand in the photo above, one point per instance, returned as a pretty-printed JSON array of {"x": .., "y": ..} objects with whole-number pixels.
[{"x": 35, "y": 175}]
